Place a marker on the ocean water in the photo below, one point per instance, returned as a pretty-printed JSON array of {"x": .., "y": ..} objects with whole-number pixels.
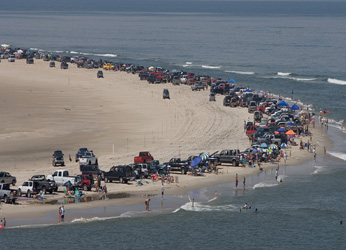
[{"x": 273, "y": 46}]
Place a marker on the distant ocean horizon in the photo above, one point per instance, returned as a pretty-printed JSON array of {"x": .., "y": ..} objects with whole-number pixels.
[{"x": 275, "y": 46}]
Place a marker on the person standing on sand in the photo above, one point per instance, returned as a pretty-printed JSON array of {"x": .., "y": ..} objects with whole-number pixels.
[
  {"x": 236, "y": 181},
  {"x": 146, "y": 202}
]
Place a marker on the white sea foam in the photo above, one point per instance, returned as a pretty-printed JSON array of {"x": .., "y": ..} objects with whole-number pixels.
[
  {"x": 210, "y": 67},
  {"x": 74, "y": 52},
  {"x": 31, "y": 226},
  {"x": 339, "y": 155},
  {"x": 283, "y": 74},
  {"x": 265, "y": 184},
  {"x": 200, "y": 207},
  {"x": 301, "y": 79},
  {"x": 319, "y": 169},
  {"x": 336, "y": 81},
  {"x": 34, "y": 49},
  {"x": 106, "y": 55},
  {"x": 188, "y": 63},
  {"x": 212, "y": 199},
  {"x": 241, "y": 72}
]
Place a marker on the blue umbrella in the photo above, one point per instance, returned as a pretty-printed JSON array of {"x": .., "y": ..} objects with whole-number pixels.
[
  {"x": 248, "y": 90},
  {"x": 283, "y": 103},
  {"x": 281, "y": 130},
  {"x": 264, "y": 145},
  {"x": 231, "y": 80},
  {"x": 195, "y": 161},
  {"x": 295, "y": 107},
  {"x": 290, "y": 124},
  {"x": 284, "y": 145}
]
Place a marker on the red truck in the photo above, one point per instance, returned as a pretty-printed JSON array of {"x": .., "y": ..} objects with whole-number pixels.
[{"x": 143, "y": 157}]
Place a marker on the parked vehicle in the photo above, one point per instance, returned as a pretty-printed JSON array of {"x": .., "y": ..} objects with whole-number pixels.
[
  {"x": 27, "y": 188},
  {"x": 80, "y": 153},
  {"x": 143, "y": 157},
  {"x": 93, "y": 170},
  {"x": 250, "y": 130},
  {"x": 257, "y": 115},
  {"x": 122, "y": 173},
  {"x": 63, "y": 65},
  {"x": 7, "y": 178},
  {"x": 176, "y": 80},
  {"x": 176, "y": 164},
  {"x": 227, "y": 100},
  {"x": 166, "y": 94},
  {"x": 228, "y": 156},
  {"x": 88, "y": 159},
  {"x": 212, "y": 97},
  {"x": 41, "y": 183},
  {"x": 252, "y": 107},
  {"x": 84, "y": 181},
  {"x": 58, "y": 158},
  {"x": 197, "y": 86},
  {"x": 61, "y": 177},
  {"x": 99, "y": 74},
  {"x": 7, "y": 194},
  {"x": 30, "y": 60},
  {"x": 52, "y": 64},
  {"x": 11, "y": 58}
]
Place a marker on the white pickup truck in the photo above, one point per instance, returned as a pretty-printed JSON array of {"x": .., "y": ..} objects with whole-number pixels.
[
  {"x": 61, "y": 177},
  {"x": 88, "y": 159}
]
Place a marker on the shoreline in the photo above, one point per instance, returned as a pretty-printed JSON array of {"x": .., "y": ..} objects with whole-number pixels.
[{"x": 179, "y": 116}]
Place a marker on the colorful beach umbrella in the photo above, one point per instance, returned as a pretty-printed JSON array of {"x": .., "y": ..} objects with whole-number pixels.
[
  {"x": 264, "y": 145},
  {"x": 284, "y": 145},
  {"x": 281, "y": 130},
  {"x": 290, "y": 132}
]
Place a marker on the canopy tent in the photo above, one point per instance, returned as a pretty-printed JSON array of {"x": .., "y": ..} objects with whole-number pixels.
[
  {"x": 281, "y": 130},
  {"x": 231, "y": 80},
  {"x": 295, "y": 107},
  {"x": 283, "y": 103}
]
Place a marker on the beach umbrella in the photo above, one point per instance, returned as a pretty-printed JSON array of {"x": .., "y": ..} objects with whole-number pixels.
[
  {"x": 290, "y": 124},
  {"x": 68, "y": 184},
  {"x": 196, "y": 161},
  {"x": 281, "y": 130},
  {"x": 264, "y": 145},
  {"x": 284, "y": 145},
  {"x": 248, "y": 90},
  {"x": 204, "y": 156},
  {"x": 273, "y": 146},
  {"x": 295, "y": 107},
  {"x": 290, "y": 132},
  {"x": 283, "y": 103}
]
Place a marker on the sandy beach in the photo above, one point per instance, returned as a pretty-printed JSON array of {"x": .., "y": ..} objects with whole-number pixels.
[{"x": 44, "y": 109}]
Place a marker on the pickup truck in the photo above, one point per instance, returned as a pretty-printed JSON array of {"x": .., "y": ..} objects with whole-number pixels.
[
  {"x": 6, "y": 194},
  {"x": 143, "y": 157},
  {"x": 7, "y": 178},
  {"x": 122, "y": 173},
  {"x": 197, "y": 86},
  {"x": 58, "y": 158},
  {"x": 80, "y": 153},
  {"x": 228, "y": 156},
  {"x": 252, "y": 107},
  {"x": 61, "y": 177},
  {"x": 88, "y": 159},
  {"x": 176, "y": 164},
  {"x": 41, "y": 183}
]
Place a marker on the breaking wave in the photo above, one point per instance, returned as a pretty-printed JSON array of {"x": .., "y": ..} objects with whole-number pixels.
[
  {"x": 210, "y": 67},
  {"x": 319, "y": 169},
  {"x": 283, "y": 74},
  {"x": 241, "y": 72},
  {"x": 265, "y": 184},
  {"x": 200, "y": 207},
  {"x": 336, "y": 81},
  {"x": 341, "y": 156}
]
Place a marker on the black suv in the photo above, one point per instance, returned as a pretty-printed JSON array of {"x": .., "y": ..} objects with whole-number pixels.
[
  {"x": 64, "y": 65},
  {"x": 92, "y": 170},
  {"x": 119, "y": 173},
  {"x": 166, "y": 94},
  {"x": 58, "y": 158},
  {"x": 30, "y": 60},
  {"x": 99, "y": 74}
]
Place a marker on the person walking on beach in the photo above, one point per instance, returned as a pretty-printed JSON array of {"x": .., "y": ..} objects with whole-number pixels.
[
  {"x": 162, "y": 190},
  {"x": 244, "y": 183},
  {"x": 236, "y": 181},
  {"x": 62, "y": 214},
  {"x": 276, "y": 174},
  {"x": 314, "y": 151},
  {"x": 4, "y": 222},
  {"x": 285, "y": 157},
  {"x": 105, "y": 191}
]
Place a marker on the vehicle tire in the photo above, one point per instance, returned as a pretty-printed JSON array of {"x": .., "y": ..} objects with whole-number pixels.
[
  {"x": 89, "y": 163},
  {"x": 19, "y": 192},
  {"x": 234, "y": 163},
  {"x": 106, "y": 179},
  {"x": 183, "y": 171},
  {"x": 6, "y": 199},
  {"x": 121, "y": 180},
  {"x": 50, "y": 191},
  {"x": 96, "y": 162},
  {"x": 85, "y": 187},
  {"x": 28, "y": 194},
  {"x": 13, "y": 183},
  {"x": 43, "y": 189}
]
